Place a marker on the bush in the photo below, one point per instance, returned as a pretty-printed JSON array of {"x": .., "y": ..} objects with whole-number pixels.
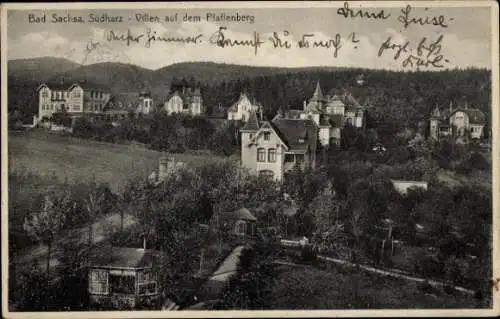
[
  {"x": 308, "y": 255},
  {"x": 448, "y": 289},
  {"x": 479, "y": 295},
  {"x": 475, "y": 162},
  {"x": 425, "y": 287}
]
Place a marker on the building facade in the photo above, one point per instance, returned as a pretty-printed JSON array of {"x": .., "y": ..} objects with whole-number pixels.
[
  {"x": 463, "y": 123},
  {"x": 145, "y": 104},
  {"x": 122, "y": 277},
  {"x": 273, "y": 148},
  {"x": 330, "y": 113},
  {"x": 76, "y": 99},
  {"x": 240, "y": 110},
  {"x": 186, "y": 100}
]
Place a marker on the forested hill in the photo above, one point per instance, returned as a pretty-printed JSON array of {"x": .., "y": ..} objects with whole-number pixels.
[{"x": 393, "y": 97}]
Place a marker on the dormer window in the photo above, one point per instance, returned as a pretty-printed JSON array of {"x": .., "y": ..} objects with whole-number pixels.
[
  {"x": 302, "y": 139},
  {"x": 267, "y": 136}
]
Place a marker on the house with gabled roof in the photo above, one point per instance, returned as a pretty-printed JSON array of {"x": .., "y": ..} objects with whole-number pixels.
[
  {"x": 185, "y": 100},
  {"x": 75, "y": 99},
  {"x": 330, "y": 112},
  {"x": 123, "y": 277},
  {"x": 133, "y": 102},
  {"x": 463, "y": 123},
  {"x": 273, "y": 148},
  {"x": 240, "y": 110}
]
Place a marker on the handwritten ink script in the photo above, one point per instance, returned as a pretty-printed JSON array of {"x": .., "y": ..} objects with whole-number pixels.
[
  {"x": 427, "y": 53},
  {"x": 278, "y": 40},
  {"x": 411, "y": 53}
]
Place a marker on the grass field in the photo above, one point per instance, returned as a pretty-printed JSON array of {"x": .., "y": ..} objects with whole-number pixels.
[
  {"x": 307, "y": 287},
  {"x": 79, "y": 160}
]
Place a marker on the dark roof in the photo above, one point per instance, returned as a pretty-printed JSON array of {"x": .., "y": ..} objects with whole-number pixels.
[
  {"x": 313, "y": 107},
  {"x": 186, "y": 93},
  {"x": 218, "y": 112},
  {"x": 475, "y": 116},
  {"x": 436, "y": 113},
  {"x": 90, "y": 86},
  {"x": 250, "y": 97},
  {"x": 293, "y": 114},
  {"x": 318, "y": 94},
  {"x": 345, "y": 97},
  {"x": 126, "y": 100},
  {"x": 55, "y": 85},
  {"x": 145, "y": 93},
  {"x": 239, "y": 214},
  {"x": 253, "y": 122},
  {"x": 335, "y": 100},
  {"x": 293, "y": 130},
  {"x": 122, "y": 257}
]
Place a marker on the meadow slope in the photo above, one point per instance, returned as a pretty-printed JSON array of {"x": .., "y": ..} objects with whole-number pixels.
[{"x": 81, "y": 160}]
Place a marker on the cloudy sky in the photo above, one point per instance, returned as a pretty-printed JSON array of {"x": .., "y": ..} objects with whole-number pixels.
[{"x": 466, "y": 41}]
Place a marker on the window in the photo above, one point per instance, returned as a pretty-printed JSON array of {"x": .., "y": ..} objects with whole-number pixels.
[
  {"x": 77, "y": 93},
  {"x": 271, "y": 155},
  {"x": 300, "y": 158},
  {"x": 240, "y": 227},
  {"x": 266, "y": 174},
  {"x": 147, "y": 283},
  {"x": 45, "y": 94},
  {"x": 261, "y": 155},
  {"x": 267, "y": 136},
  {"x": 122, "y": 284},
  {"x": 289, "y": 158},
  {"x": 76, "y": 107},
  {"x": 251, "y": 135},
  {"x": 99, "y": 282},
  {"x": 149, "y": 288}
]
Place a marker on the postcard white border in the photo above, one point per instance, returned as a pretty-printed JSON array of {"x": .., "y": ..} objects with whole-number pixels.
[{"x": 268, "y": 313}]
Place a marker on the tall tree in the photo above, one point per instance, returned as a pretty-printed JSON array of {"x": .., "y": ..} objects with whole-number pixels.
[
  {"x": 93, "y": 207},
  {"x": 44, "y": 225}
]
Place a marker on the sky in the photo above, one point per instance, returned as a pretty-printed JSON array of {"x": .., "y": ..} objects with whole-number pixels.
[{"x": 465, "y": 41}]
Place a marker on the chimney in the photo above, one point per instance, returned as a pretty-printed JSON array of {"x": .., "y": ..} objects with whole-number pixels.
[
  {"x": 305, "y": 104},
  {"x": 451, "y": 106},
  {"x": 144, "y": 242}
]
